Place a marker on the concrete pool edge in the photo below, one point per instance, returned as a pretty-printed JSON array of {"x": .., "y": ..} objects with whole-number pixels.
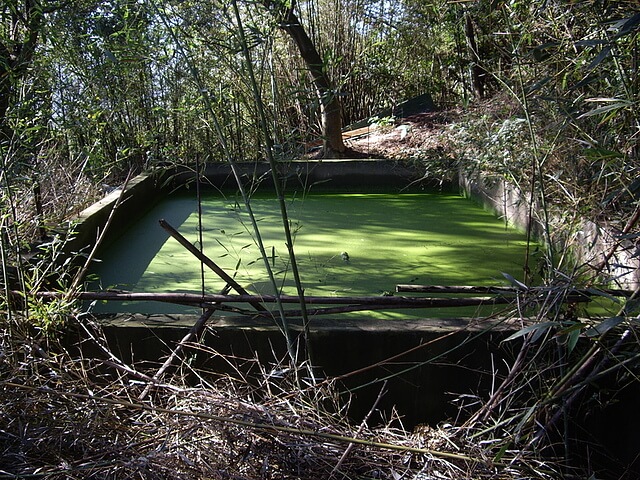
[
  {"x": 148, "y": 188},
  {"x": 592, "y": 242},
  {"x": 495, "y": 194}
]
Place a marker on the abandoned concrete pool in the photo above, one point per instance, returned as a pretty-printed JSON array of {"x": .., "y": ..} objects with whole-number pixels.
[{"x": 395, "y": 229}]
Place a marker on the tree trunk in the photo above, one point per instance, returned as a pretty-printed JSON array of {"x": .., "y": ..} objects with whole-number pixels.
[
  {"x": 329, "y": 102},
  {"x": 16, "y": 55}
]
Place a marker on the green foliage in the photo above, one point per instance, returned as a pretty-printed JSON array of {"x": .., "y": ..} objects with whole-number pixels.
[
  {"x": 494, "y": 146},
  {"x": 382, "y": 122}
]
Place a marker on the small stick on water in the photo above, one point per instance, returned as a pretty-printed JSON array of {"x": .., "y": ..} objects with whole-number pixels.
[
  {"x": 462, "y": 289},
  {"x": 209, "y": 263}
]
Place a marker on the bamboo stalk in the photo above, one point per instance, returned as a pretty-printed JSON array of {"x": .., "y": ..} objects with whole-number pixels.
[
  {"x": 207, "y": 301},
  {"x": 236, "y": 175},
  {"x": 276, "y": 182},
  {"x": 506, "y": 290}
]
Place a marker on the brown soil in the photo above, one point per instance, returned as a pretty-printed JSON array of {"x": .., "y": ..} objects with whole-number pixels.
[{"x": 417, "y": 136}]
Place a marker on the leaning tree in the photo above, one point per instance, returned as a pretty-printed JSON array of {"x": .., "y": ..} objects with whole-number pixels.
[{"x": 288, "y": 21}]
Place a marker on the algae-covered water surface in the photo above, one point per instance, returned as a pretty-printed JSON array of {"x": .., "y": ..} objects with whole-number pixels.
[{"x": 390, "y": 239}]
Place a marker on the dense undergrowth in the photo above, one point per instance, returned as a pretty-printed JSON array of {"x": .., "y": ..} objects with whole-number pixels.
[
  {"x": 70, "y": 416},
  {"x": 546, "y": 97},
  {"x": 67, "y": 414}
]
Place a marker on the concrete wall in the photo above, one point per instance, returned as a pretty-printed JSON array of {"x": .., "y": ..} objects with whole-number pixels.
[
  {"x": 589, "y": 242},
  {"x": 318, "y": 175},
  {"x": 145, "y": 190},
  {"x": 505, "y": 200},
  {"x": 141, "y": 193},
  {"x": 437, "y": 357}
]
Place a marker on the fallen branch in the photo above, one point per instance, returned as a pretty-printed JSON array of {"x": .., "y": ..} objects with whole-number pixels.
[
  {"x": 194, "y": 333},
  {"x": 209, "y": 263},
  {"x": 208, "y": 299},
  {"x": 211, "y": 300},
  {"x": 445, "y": 289}
]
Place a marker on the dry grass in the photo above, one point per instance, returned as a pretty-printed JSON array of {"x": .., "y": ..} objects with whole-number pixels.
[{"x": 68, "y": 416}]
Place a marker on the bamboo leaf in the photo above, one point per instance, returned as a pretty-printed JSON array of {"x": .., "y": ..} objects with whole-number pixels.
[
  {"x": 627, "y": 25},
  {"x": 605, "y": 109},
  {"x": 603, "y": 55},
  {"x": 110, "y": 56},
  {"x": 573, "y": 340},
  {"x": 501, "y": 452},
  {"x": 222, "y": 245},
  {"x": 602, "y": 153},
  {"x": 538, "y": 330},
  {"x": 606, "y": 99},
  {"x": 590, "y": 43},
  {"x": 595, "y": 291},
  {"x": 604, "y": 326},
  {"x": 538, "y": 85},
  {"x": 514, "y": 282}
]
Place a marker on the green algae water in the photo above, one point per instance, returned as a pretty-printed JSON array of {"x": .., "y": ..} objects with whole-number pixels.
[{"x": 390, "y": 239}]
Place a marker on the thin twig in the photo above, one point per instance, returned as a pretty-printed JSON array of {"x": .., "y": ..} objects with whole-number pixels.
[
  {"x": 254, "y": 425},
  {"x": 363, "y": 424}
]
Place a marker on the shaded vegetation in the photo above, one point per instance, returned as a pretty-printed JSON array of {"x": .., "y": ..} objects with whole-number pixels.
[{"x": 540, "y": 95}]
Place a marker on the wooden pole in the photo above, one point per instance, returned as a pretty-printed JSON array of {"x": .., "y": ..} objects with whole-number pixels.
[
  {"x": 590, "y": 292},
  {"x": 206, "y": 301},
  {"x": 210, "y": 263}
]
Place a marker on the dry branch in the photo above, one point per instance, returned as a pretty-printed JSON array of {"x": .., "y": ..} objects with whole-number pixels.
[
  {"x": 208, "y": 299},
  {"x": 335, "y": 305},
  {"x": 194, "y": 333},
  {"x": 209, "y": 263},
  {"x": 446, "y": 289}
]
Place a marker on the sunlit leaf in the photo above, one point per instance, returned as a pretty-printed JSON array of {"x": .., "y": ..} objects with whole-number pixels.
[
  {"x": 222, "y": 245},
  {"x": 602, "y": 153},
  {"x": 627, "y": 25},
  {"x": 538, "y": 330},
  {"x": 605, "y": 109},
  {"x": 514, "y": 282},
  {"x": 604, "y": 326}
]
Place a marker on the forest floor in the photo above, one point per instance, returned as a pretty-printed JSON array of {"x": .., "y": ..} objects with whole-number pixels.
[{"x": 414, "y": 137}]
